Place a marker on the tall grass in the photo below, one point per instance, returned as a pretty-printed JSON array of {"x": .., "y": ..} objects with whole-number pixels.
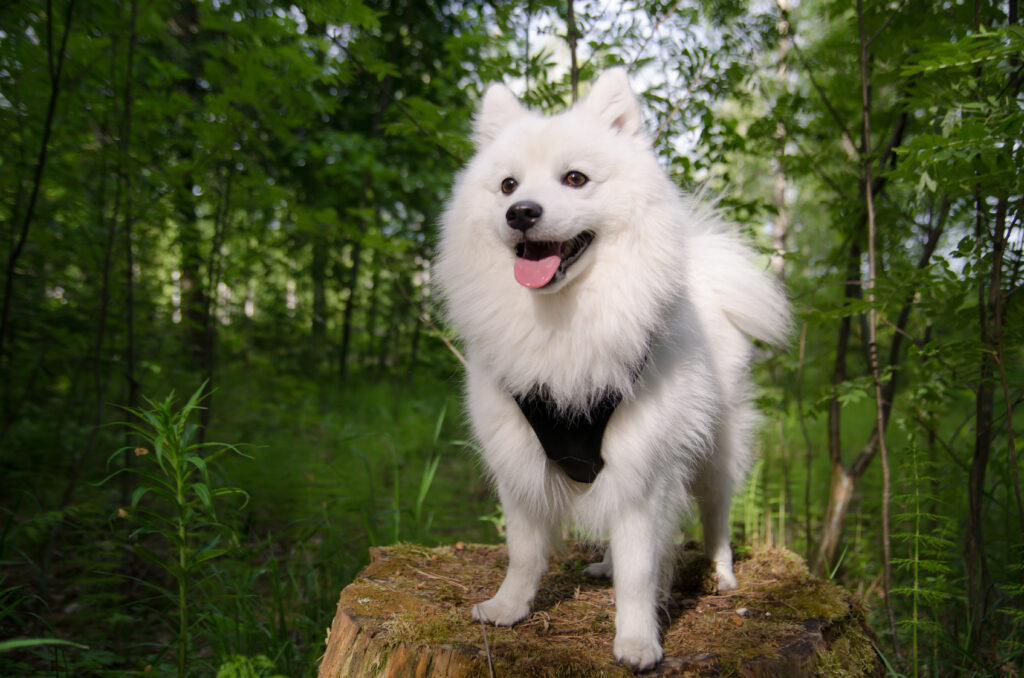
[{"x": 180, "y": 507}]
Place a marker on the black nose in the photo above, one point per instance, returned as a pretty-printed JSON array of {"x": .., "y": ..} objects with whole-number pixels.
[{"x": 523, "y": 215}]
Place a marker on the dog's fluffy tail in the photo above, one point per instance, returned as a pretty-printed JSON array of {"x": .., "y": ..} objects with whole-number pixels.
[{"x": 752, "y": 299}]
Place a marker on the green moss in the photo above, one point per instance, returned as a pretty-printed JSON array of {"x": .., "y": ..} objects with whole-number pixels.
[
  {"x": 433, "y": 630},
  {"x": 850, "y": 654},
  {"x": 414, "y": 552},
  {"x": 423, "y": 597}
]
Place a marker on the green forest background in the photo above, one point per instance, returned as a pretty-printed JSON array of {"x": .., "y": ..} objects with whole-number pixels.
[{"x": 236, "y": 201}]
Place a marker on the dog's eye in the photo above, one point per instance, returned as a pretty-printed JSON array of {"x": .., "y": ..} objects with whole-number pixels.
[
  {"x": 508, "y": 185},
  {"x": 574, "y": 179}
]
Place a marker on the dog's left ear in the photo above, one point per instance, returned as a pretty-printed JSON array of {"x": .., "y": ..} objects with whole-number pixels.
[
  {"x": 613, "y": 101},
  {"x": 498, "y": 108}
]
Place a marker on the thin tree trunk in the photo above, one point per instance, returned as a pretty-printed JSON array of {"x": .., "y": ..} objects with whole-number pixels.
[
  {"x": 126, "y": 183},
  {"x": 780, "y": 225},
  {"x": 414, "y": 349},
  {"x": 526, "y": 50},
  {"x": 996, "y": 303},
  {"x": 839, "y": 497},
  {"x": 346, "y": 325},
  {"x": 346, "y": 319},
  {"x": 399, "y": 309},
  {"x": 780, "y": 232},
  {"x": 318, "y": 274},
  {"x": 575, "y": 70},
  {"x": 374, "y": 345},
  {"x": 976, "y": 564},
  {"x": 876, "y": 373},
  {"x": 978, "y": 579},
  {"x": 214, "y": 270},
  {"x": 193, "y": 294},
  {"x": 838, "y": 503},
  {"x": 808, "y": 446},
  {"x": 37, "y": 179}
]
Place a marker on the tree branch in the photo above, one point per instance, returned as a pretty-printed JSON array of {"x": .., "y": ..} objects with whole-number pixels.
[
  {"x": 391, "y": 99},
  {"x": 847, "y": 137},
  {"x": 657, "y": 24},
  {"x": 37, "y": 178}
]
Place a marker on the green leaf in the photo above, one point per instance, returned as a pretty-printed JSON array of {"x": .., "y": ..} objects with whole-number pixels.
[
  {"x": 21, "y": 643},
  {"x": 163, "y": 562},
  {"x": 138, "y": 494},
  {"x": 203, "y": 492}
]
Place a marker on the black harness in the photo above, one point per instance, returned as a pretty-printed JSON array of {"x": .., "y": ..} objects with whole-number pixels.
[{"x": 573, "y": 441}]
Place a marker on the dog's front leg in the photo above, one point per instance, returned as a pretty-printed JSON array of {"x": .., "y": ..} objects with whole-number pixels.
[
  {"x": 638, "y": 553},
  {"x": 529, "y": 538}
]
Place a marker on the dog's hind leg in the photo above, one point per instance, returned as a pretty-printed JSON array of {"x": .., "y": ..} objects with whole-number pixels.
[
  {"x": 529, "y": 537},
  {"x": 714, "y": 516},
  {"x": 601, "y": 569},
  {"x": 714, "y": 490}
]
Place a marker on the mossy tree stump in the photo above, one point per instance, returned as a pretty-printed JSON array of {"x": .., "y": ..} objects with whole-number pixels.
[{"x": 408, "y": 614}]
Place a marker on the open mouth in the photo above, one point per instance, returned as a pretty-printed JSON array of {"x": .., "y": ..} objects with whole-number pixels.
[{"x": 540, "y": 263}]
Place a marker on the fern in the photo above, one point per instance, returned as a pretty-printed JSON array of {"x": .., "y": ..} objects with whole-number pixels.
[{"x": 926, "y": 564}]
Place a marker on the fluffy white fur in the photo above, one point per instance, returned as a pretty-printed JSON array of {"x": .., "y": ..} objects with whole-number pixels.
[{"x": 663, "y": 275}]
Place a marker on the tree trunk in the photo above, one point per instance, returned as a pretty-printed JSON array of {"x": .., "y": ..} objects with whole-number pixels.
[
  {"x": 978, "y": 579},
  {"x": 839, "y": 497},
  {"x": 193, "y": 295},
  {"x": 837, "y": 505},
  {"x": 780, "y": 223},
  {"x": 373, "y": 342},
  {"x": 364, "y": 199},
  {"x": 346, "y": 318},
  {"x": 129, "y": 252},
  {"x": 37, "y": 179},
  {"x": 408, "y": 614},
  {"x": 400, "y": 308},
  {"x": 214, "y": 271},
  {"x": 574, "y": 70},
  {"x": 318, "y": 274}
]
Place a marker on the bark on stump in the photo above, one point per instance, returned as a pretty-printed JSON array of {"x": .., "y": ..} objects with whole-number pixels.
[{"x": 408, "y": 614}]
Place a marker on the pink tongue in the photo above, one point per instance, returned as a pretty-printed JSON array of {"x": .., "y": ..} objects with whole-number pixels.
[{"x": 536, "y": 272}]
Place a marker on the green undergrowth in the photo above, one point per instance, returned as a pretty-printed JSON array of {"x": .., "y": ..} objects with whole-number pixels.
[{"x": 328, "y": 471}]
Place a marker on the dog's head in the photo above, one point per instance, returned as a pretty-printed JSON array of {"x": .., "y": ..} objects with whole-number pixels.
[{"x": 553, "y": 189}]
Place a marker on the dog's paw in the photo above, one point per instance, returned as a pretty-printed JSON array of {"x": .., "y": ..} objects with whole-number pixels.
[
  {"x": 500, "y": 613},
  {"x": 637, "y": 653},
  {"x": 602, "y": 569},
  {"x": 725, "y": 578}
]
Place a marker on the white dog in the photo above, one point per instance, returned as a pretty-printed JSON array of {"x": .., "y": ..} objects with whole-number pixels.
[{"x": 606, "y": 321}]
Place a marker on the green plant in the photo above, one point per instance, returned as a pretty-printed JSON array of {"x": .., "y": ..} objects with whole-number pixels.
[
  {"x": 422, "y": 520},
  {"x": 427, "y": 479},
  {"x": 180, "y": 511},
  {"x": 926, "y": 562},
  {"x": 497, "y": 519},
  {"x": 240, "y": 666},
  {"x": 21, "y": 643}
]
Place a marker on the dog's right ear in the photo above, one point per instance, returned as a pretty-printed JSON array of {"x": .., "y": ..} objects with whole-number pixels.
[
  {"x": 499, "y": 108},
  {"x": 612, "y": 100}
]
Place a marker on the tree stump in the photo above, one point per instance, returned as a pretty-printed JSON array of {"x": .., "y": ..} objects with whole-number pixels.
[{"x": 408, "y": 614}]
